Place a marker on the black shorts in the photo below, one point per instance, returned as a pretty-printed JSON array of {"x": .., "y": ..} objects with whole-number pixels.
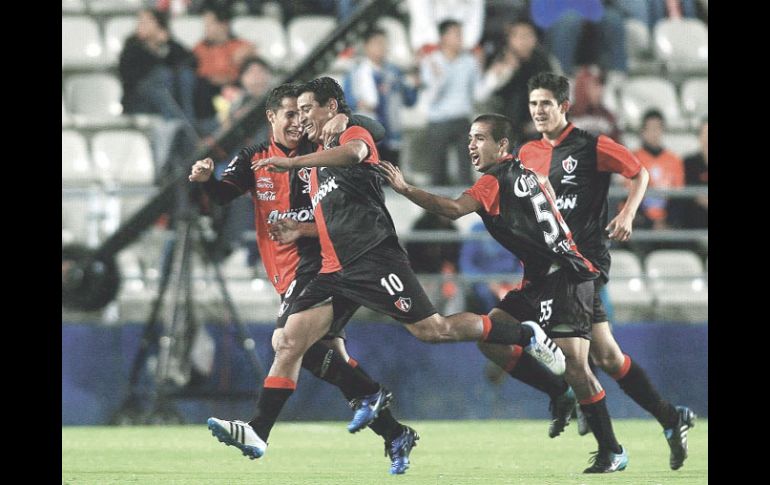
[
  {"x": 600, "y": 313},
  {"x": 381, "y": 280},
  {"x": 562, "y": 306},
  {"x": 342, "y": 312}
]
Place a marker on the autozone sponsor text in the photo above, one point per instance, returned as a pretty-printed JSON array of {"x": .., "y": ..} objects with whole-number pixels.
[
  {"x": 323, "y": 190},
  {"x": 300, "y": 215}
]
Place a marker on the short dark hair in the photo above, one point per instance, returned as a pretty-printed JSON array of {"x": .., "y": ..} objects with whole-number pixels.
[
  {"x": 558, "y": 85},
  {"x": 373, "y": 32},
  {"x": 324, "y": 89},
  {"x": 446, "y": 25},
  {"x": 653, "y": 113},
  {"x": 221, "y": 10},
  {"x": 160, "y": 16},
  {"x": 502, "y": 126},
  {"x": 276, "y": 95}
]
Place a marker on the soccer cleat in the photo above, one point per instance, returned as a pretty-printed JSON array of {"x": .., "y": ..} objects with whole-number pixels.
[
  {"x": 677, "y": 437},
  {"x": 607, "y": 461},
  {"x": 544, "y": 350},
  {"x": 582, "y": 423},
  {"x": 561, "y": 410},
  {"x": 239, "y": 434},
  {"x": 399, "y": 448},
  {"x": 367, "y": 408}
]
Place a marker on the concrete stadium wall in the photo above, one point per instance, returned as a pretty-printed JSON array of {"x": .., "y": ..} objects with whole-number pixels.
[{"x": 428, "y": 381}]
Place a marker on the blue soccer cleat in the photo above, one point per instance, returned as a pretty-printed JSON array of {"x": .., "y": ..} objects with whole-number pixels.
[
  {"x": 399, "y": 448},
  {"x": 238, "y": 434},
  {"x": 367, "y": 408}
]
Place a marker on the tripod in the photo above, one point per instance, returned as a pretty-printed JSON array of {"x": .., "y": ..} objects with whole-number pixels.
[{"x": 173, "y": 327}]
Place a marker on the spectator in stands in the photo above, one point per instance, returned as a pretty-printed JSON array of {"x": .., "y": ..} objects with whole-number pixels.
[
  {"x": 220, "y": 55},
  {"x": 378, "y": 89},
  {"x": 506, "y": 78},
  {"x": 489, "y": 257},
  {"x": 666, "y": 169},
  {"x": 426, "y": 16},
  {"x": 650, "y": 12},
  {"x": 450, "y": 77},
  {"x": 588, "y": 111},
  {"x": 156, "y": 71},
  {"x": 583, "y": 32},
  {"x": 695, "y": 213}
]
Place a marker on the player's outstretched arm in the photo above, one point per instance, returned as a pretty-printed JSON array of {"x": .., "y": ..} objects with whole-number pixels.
[
  {"x": 350, "y": 153},
  {"x": 220, "y": 192},
  {"x": 451, "y": 208}
]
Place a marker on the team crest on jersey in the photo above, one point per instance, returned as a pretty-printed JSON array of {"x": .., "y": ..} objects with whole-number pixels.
[
  {"x": 569, "y": 164},
  {"x": 304, "y": 174},
  {"x": 403, "y": 304}
]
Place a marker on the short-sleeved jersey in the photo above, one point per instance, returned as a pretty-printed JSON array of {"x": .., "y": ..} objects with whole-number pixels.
[
  {"x": 579, "y": 167},
  {"x": 349, "y": 206},
  {"x": 520, "y": 214},
  {"x": 277, "y": 196}
]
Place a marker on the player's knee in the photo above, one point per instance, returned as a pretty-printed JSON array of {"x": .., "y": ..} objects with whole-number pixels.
[
  {"x": 428, "y": 330},
  {"x": 287, "y": 346},
  {"x": 608, "y": 360}
]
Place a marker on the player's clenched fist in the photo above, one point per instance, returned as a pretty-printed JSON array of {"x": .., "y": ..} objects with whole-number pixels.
[{"x": 201, "y": 171}]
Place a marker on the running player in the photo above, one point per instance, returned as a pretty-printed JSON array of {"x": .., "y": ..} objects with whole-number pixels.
[{"x": 518, "y": 209}]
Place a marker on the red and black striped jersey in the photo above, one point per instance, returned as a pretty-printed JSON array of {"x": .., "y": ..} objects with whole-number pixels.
[
  {"x": 349, "y": 206},
  {"x": 521, "y": 215},
  {"x": 579, "y": 167},
  {"x": 277, "y": 196}
]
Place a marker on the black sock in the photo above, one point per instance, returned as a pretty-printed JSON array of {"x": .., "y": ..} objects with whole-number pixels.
[
  {"x": 525, "y": 368},
  {"x": 329, "y": 365},
  {"x": 634, "y": 382},
  {"x": 384, "y": 424},
  {"x": 505, "y": 332},
  {"x": 275, "y": 392},
  {"x": 601, "y": 426}
]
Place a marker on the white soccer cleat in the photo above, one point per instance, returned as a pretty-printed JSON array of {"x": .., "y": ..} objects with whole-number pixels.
[
  {"x": 544, "y": 350},
  {"x": 239, "y": 434}
]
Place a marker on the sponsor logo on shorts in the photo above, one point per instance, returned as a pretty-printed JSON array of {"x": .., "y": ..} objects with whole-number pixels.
[{"x": 403, "y": 304}]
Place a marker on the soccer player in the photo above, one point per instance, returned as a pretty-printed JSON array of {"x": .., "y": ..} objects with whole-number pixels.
[
  {"x": 518, "y": 209},
  {"x": 363, "y": 263},
  {"x": 579, "y": 166},
  {"x": 290, "y": 267}
]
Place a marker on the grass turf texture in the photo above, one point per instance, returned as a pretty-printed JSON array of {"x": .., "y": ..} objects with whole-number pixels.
[{"x": 449, "y": 452}]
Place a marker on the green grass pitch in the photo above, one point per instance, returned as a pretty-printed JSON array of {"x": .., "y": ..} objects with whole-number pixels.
[{"x": 448, "y": 453}]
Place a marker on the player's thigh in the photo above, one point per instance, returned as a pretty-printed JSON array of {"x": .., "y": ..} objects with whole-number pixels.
[{"x": 305, "y": 328}]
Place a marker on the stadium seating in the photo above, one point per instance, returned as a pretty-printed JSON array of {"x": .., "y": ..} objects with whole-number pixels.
[
  {"x": 399, "y": 51},
  {"x": 695, "y": 98},
  {"x": 639, "y": 94},
  {"x": 678, "y": 283},
  {"x": 93, "y": 100},
  {"x": 683, "y": 144},
  {"x": 627, "y": 288},
  {"x": 187, "y": 29},
  {"x": 81, "y": 44},
  {"x": 73, "y": 6},
  {"x": 305, "y": 33},
  {"x": 123, "y": 157},
  {"x": 76, "y": 168},
  {"x": 682, "y": 44},
  {"x": 638, "y": 46},
  {"x": 267, "y": 34},
  {"x": 115, "y": 6},
  {"x": 116, "y": 31}
]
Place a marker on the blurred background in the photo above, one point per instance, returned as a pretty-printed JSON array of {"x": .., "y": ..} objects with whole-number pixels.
[{"x": 174, "y": 319}]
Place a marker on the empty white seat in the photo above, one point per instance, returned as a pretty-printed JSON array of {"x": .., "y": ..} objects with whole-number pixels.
[
  {"x": 695, "y": 97},
  {"x": 116, "y": 31},
  {"x": 678, "y": 283},
  {"x": 73, "y": 6},
  {"x": 399, "y": 50},
  {"x": 123, "y": 157},
  {"x": 305, "y": 32},
  {"x": 682, "y": 44},
  {"x": 76, "y": 168},
  {"x": 187, "y": 29},
  {"x": 267, "y": 34},
  {"x": 94, "y": 99},
  {"x": 627, "y": 286},
  {"x": 682, "y": 144},
  {"x": 115, "y": 6},
  {"x": 637, "y": 39},
  {"x": 403, "y": 211},
  {"x": 81, "y": 44},
  {"x": 639, "y": 94}
]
